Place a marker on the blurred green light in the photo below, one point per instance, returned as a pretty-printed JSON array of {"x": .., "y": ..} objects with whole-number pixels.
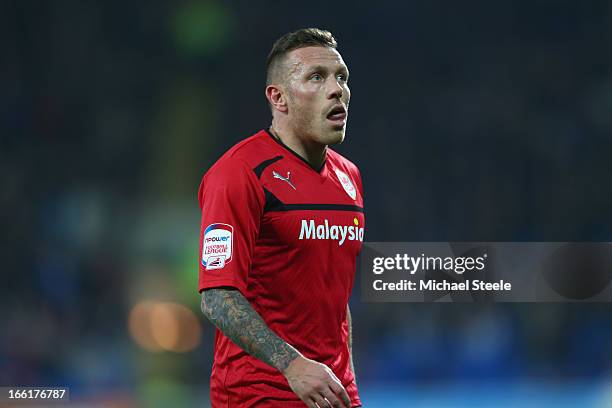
[
  {"x": 166, "y": 392},
  {"x": 202, "y": 27}
]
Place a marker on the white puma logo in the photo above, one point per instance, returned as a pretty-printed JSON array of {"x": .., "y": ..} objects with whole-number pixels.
[{"x": 278, "y": 176}]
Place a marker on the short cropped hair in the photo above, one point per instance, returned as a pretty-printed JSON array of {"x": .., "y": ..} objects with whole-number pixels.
[{"x": 305, "y": 37}]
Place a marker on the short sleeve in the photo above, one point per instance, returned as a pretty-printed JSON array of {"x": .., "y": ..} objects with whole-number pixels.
[{"x": 232, "y": 202}]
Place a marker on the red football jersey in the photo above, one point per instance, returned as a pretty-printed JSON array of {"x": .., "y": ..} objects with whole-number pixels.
[{"x": 287, "y": 237}]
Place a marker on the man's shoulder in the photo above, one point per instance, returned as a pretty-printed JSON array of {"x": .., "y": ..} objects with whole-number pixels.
[
  {"x": 247, "y": 153},
  {"x": 341, "y": 161},
  {"x": 235, "y": 169}
]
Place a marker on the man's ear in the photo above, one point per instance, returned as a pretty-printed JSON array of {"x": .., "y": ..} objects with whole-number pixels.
[{"x": 275, "y": 95}]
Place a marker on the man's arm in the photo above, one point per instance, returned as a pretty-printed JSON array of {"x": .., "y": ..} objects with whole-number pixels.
[
  {"x": 232, "y": 313},
  {"x": 350, "y": 338},
  {"x": 235, "y": 317}
]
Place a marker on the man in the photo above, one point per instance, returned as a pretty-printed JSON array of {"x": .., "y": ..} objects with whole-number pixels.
[{"x": 282, "y": 224}]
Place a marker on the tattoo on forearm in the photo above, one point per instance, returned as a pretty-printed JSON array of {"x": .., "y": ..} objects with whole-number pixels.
[{"x": 229, "y": 310}]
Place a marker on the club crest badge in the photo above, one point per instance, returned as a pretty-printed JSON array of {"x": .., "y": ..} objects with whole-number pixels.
[{"x": 347, "y": 184}]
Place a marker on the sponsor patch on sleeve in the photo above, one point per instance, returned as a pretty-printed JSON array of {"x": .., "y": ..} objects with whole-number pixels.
[{"x": 217, "y": 246}]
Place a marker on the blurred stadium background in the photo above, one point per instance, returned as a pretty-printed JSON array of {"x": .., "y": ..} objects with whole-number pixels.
[{"x": 471, "y": 121}]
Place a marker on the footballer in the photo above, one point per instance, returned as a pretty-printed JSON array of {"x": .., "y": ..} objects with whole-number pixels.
[{"x": 282, "y": 225}]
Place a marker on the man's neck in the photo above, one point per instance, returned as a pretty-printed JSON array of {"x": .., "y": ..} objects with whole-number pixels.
[{"x": 313, "y": 153}]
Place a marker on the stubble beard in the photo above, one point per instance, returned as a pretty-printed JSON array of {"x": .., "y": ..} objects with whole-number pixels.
[
  {"x": 337, "y": 135},
  {"x": 304, "y": 126},
  {"x": 312, "y": 129}
]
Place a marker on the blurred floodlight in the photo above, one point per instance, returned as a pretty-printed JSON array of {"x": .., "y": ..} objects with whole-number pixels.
[
  {"x": 140, "y": 327},
  {"x": 158, "y": 326}
]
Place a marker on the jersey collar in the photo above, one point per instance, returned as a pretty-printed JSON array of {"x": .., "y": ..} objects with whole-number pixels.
[{"x": 321, "y": 171}]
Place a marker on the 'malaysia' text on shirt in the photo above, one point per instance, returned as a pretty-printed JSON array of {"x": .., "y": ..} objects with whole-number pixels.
[{"x": 340, "y": 233}]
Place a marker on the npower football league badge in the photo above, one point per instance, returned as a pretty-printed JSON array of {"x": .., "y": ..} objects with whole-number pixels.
[{"x": 217, "y": 245}]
